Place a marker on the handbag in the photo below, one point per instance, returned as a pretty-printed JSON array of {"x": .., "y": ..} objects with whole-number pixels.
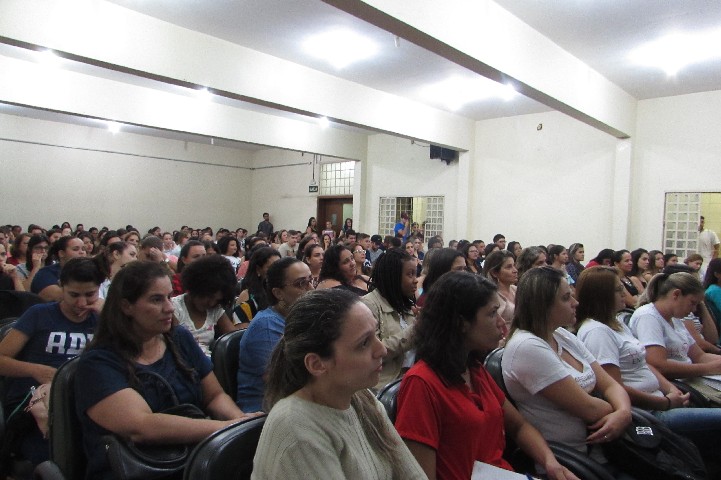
[
  {"x": 648, "y": 450},
  {"x": 133, "y": 461}
]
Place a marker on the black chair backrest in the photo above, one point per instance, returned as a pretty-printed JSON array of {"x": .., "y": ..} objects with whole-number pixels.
[
  {"x": 388, "y": 397},
  {"x": 225, "y": 361},
  {"x": 14, "y": 304},
  {"x": 66, "y": 441},
  {"x": 227, "y": 453},
  {"x": 492, "y": 363},
  {"x": 4, "y": 329}
]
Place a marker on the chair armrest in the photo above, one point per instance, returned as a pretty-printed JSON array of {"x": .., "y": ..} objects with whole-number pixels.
[{"x": 48, "y": 470}]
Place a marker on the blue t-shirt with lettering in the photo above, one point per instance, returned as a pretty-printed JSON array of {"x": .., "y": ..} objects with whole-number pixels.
[{"x": 52, "y": 340}]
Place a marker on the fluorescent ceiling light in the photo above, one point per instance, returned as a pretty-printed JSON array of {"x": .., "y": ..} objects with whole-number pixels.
[
  {"x": 48, "y": 57},
  {"x": 678, "y": 50},
  {"x": 323, "y": 122},
  {"x": 340, "y": 48},
  {"x": 113, "y": 127},
  {"x": 204, "y": 94},
  {"x": 457, "y": 91}
]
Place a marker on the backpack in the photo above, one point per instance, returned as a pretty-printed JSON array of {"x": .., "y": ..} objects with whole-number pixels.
[{"x": 648, "y": 450}]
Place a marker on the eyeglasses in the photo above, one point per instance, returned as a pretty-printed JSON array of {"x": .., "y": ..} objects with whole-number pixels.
[
  {"x": 40, "y": 247},
  {"x": 359, "y": 251},
  {"x": 301, "y": 282}
]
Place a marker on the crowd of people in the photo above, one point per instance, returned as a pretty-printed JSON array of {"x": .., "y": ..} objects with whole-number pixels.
[{"x": 332, "y": 315}]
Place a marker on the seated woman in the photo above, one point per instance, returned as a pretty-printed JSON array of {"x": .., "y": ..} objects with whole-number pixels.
[
  {"x": 252, "y": 298},
  {"x": 38, "y": 248},
  {"x": 441, "y": 261},
  {"x": 712, "y": 289},
  {"x": 45, "y": 282},
  {"x": 576, "y": 254},
  {"x": 530, "y": 257},
  {"x": 600, "y": 296},
  {"x": 114, "y": 257},
  {"x": 191, "y": 251},
  {"x": 655, "y": 265},
  {"x": 287, "y": 280},
  {"x": 324, "y": 422},
  {"x": 640, "y": 259},
  {"x": 604, "y": 257},
  {"x": 19, "y": 250},
  {"x": 339, "y": 271},
  {"x": 230, "y": 249},
  {"x": 359, "y": 257},
  {"x": 551, "y": 375},
  {"x": 209, "y": 287},
  {"x": 500, "y": 268},
  {"x": 392, "y": 302},
  {"x": 450, "y": 411},
  {"x": 136, "y": 335},
  {"x": 669, "y": 346},
  {"x": 624, "y": 263},
  {"x": 9, "y": 278},
  {"x": 695, "y": 261},
  {"x": 46, "y": 336},
  {"x": 313, "y": 257},
  {"x": 471, "y": 254}
]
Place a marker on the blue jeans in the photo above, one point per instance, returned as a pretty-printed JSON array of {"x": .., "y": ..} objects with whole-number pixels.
[{"x": 700, "y": 425}]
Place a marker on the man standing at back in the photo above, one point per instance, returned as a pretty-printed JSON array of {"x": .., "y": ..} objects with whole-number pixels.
[
  {"x": 708, "y": 245},
  {"x": 265, "y": 226}
]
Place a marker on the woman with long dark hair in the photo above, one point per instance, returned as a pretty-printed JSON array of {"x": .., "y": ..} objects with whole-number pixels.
[
  {"x": 442, "y": 260},
  {"x": 500, "y": 268},
  {"x": 339, "y": 271},
  {"x": 323, "y": 421},
  {"x": 114, "y": 257},
  {"x": 623, "y": 261},
  {"x": 38, "y": 247},
  {"x": 450, "y": 411},
  {"x": 135, "y": 336},
  {"x": 392, "y": 302},
  {"x": 287, "y": 280},
  {"x": 576, "y": 254},
  {"x": 621, "y": 355},
  {"x": 551, "y": 375},
  {"x": 252, "y": 298}
]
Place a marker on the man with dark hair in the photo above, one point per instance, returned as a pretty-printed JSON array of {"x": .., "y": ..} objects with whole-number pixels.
[
  {"x": 435, "y": 242},
  {"x": 265, "y": 226},
  {"x": 290, "y": 248},
  {"x": 402, "y": 230},
  {"x": 500, "y": 240},
  {"x": 375, "y": 250},
  {"x": 350, "y": 236}
]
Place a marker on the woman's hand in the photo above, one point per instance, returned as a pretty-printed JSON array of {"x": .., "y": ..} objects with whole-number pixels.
[
  {"x": 9, "y": 270},
  {"x": 609, "y": 427},
  {"x": 555, "y": 471},
  {"x": 678, "y": 399},
  {"x": 37, "y": 260}
]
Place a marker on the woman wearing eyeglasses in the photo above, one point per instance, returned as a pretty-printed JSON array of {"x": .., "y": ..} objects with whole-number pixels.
[
  {"x": 37, "y": 248},
  {"x": 285, "y": 282}
]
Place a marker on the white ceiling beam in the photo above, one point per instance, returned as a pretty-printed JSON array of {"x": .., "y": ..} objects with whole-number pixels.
[
  {"x": 485, "y": 38},
  {"x": 113, "y": 37}
]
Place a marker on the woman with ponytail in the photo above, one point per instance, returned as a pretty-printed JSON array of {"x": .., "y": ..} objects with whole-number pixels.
[
  {"x": 323, "y": 421},
  {"x": 657, "y": 324}
]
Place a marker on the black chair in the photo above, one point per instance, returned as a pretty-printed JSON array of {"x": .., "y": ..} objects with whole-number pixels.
[
  {"x": 388, "y": 397},
  {"x": 4, "y": 329},
  {"x": 67, "y": 457},
  {"x": 14, "y": 304},
  {"x": 226, "y": 453},
  {"x": 581, "y": 465},
  {"x": 225, "y": 361}
]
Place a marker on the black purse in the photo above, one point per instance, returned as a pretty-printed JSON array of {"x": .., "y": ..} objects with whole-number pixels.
[{"x": 132, "y": 461}]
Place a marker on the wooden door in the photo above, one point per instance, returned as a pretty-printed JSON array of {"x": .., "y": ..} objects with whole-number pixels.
[{"x": 331, "y": 209}]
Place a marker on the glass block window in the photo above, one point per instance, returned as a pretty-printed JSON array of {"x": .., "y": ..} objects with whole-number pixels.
[
  {"x": 680, "y": 226},
  {"x": 337, "y": 178},
  {"x": 427, "y": 211},
  {"x": 386, "y": 216},
  {"x": 434, "y": 217}
]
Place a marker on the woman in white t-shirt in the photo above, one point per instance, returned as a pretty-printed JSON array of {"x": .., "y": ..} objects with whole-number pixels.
[
  {"x": 658, "y": 326},
  {"x": 600, "y": 296},
  {"x": 552, "y": 376},
  {"x": 209, "y": 287}
]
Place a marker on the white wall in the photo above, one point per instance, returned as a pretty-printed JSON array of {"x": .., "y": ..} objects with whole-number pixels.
[
  {"x": 47, "y": 184},
  {"x": 395, "y": 168},
  {"x": 552, "y": 185},
  {"x": 282, "y": 189},
  {"x": 677, "y": 149}
]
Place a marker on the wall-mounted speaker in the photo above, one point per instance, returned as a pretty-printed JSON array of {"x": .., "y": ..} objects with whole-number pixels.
[{"x": 444, "y": 154}]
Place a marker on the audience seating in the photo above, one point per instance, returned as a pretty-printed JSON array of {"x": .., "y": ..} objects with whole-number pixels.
[
  {"x": 67, "y": 457},
  {"x": 388, "y": 397},
  {"x": 226, "y": 453},
  {"x": 14, "y": 304},
  {"x": 225, "y": 361}
]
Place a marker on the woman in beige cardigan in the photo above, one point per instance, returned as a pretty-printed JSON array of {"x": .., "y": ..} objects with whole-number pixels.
[{"x": 392, "y": 303}]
